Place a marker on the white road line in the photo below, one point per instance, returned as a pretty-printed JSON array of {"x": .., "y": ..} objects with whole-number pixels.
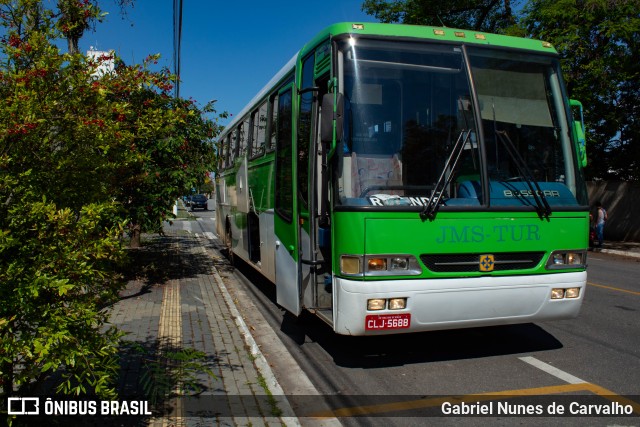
[
  {"x": 209, "y": 235},
  {"x": 564, "y": 376}
]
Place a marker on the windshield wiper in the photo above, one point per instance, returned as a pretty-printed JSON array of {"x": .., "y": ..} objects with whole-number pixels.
[
  {"x": 542, "y": 206},
  {"x": 431, "y": 209}
]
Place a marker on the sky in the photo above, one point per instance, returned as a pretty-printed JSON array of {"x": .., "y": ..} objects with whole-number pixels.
[{"x": 230, "y": 49}]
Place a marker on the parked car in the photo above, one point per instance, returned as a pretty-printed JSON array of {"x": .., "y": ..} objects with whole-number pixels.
[{"x": 198, "y": 201}]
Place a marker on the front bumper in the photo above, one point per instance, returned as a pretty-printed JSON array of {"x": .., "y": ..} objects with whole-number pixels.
[{"x": 457, "y": 303}]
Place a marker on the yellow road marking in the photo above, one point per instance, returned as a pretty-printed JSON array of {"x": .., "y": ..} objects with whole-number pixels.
[
  {"x": 614, "y": 289},
  {"x": 607, "y": 394},
  {"x": 470, "y": 398}
]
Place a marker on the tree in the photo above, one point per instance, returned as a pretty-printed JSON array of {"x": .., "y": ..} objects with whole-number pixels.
[
  {"x": 58, "y": 243},
  {"x": 165, "y": 144},
  {"x": 74, "y": 18},
  {"x": 82, "y": 156},
  {"x": 599, "y": 42},
  {"x": 483, "y": 15}
]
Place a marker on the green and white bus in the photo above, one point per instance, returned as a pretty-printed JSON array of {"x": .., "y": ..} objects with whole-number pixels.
[{"x": 396, "y": 178}]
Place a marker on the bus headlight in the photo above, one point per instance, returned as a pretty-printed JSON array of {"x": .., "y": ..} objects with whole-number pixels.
[
  {"x": 561, "y": 293},
  {"x": 376, "y": 304},
  {"x": 380, "y": 265},
  {"x": 572, "y": 293},
  {"x": 391, "y": 265},
  {"x": 399, "y": 263},
  {"x": 397, "y": 303},
  {"x": 574, "y": 258},
  {"x": 567, "y": 259}
]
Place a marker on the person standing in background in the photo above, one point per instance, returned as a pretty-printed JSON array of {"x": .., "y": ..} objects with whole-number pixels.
[{"x": 601, "y": 219}]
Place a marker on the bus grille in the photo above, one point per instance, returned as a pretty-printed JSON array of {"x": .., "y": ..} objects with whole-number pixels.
[{"x": 469, "y": 263}]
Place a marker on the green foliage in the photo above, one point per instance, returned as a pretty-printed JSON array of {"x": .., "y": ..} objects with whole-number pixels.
[
  {"x": 273, "y": 403},
  {"x": 164, "y": 144},
  {"x": 74, "y": 18},
  {"x": 58, "y": 243},
  {"x": 484, "y": 15},
  {"x": 56, "y": 277},
  {"x": 599, "y": 42},
  {"x": 172, "y": 372},
  {"x": 84, "y": 155}
]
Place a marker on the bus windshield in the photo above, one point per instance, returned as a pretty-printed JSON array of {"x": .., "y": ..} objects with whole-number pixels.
[{"x": 411, "y": 133}]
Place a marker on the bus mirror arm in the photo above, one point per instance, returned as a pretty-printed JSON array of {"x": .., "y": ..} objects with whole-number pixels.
[{"x": 332, "y": 109}]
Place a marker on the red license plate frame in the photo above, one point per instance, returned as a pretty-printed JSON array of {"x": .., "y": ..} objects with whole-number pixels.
[{"x": 384, "y": 322}]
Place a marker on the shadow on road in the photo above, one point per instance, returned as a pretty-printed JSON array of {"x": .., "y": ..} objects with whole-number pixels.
[
  {"x": 434, "y": 346},
  {"x": 402, "y": 349}
]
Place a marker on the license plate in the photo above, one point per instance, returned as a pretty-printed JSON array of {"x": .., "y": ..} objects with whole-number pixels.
[{"x": 387, "y": 321}]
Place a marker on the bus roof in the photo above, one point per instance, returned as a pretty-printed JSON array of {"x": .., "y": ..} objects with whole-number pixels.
[
  {"x": 400, "y": 31},
  {"x": 288, "y": 67},
  {"x": 431, "y": 33}
]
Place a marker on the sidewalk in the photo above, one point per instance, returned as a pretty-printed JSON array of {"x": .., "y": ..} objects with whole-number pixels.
[
  {"x": 179, "y": 308},
  {"x": 629, "y": 249}
]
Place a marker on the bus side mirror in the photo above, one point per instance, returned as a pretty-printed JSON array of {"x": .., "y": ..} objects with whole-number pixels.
[
  {"x": 579, "y": 131},
  {"x": 332, "y": 109}
]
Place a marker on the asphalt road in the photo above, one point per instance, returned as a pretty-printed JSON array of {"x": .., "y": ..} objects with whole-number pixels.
[{"x": 405, "y": 379}]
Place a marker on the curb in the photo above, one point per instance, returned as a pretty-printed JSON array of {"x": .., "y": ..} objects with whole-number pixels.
[
  {"x": 629, "y": 254},
  {"x": 288, "y": 418}
]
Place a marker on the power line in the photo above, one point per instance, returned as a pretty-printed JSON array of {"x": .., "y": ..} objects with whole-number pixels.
[{"x": 177, "y": 42}]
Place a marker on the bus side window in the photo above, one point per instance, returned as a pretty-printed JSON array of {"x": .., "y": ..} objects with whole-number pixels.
[
  {"x": 251, "y": 130},
  {"x": 226, "y": 151},
  {"x": 284, "y": 182},
  {"x": 221, "y": 164},
  {"x": 243, "y": 137},
  {"x": 258, "y": 133},
  {"x": 233, "y": 146},
  {"x": 273, "y": 121}
]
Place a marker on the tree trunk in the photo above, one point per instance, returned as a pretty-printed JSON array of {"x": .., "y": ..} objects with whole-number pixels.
[
  {"x": 73, "y": 45},
  {"x": 134, "y": 232}
]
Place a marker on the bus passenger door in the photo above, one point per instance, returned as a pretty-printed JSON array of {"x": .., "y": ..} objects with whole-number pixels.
[
  {"x": 311, "y": 176},
  {"x": 286, "y": 210}
]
